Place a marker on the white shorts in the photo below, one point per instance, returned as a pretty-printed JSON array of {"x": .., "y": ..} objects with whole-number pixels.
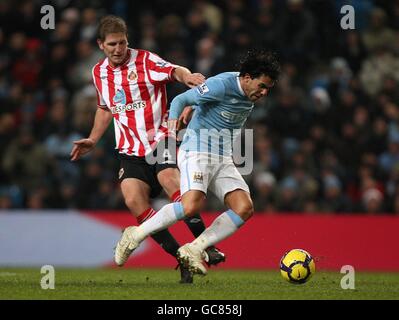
[{"x": 203, "y": 171}]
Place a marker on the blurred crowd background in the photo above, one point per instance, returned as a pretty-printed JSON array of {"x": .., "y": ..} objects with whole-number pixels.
[{"x": 326, "y": 139}]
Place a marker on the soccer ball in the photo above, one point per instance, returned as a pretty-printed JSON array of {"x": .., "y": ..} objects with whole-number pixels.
[{"x": 297, "y": 266}]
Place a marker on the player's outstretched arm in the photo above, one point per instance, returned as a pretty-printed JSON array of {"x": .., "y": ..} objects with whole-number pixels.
[
  {"x": 180, "y": 102},
  {"x": 176, "y": 113},
  {"x": 185, "y": 76},
  {"x": 102, "y": 120},
  {"x": 208, "y": 93}
]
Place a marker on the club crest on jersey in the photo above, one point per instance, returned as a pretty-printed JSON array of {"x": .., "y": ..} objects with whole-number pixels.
[
  {"x": 119, "y": 98},
  {"x": 202, "y": 89},
  {"x": 198, "y": 177},
  {"x": 132, "y": 76}
]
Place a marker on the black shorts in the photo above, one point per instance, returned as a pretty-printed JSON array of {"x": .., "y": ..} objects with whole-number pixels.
[{"x": 140, "y": 168}]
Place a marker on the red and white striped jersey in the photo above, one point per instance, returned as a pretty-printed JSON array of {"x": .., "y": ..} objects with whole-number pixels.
[{"x": 135, "y": 93}]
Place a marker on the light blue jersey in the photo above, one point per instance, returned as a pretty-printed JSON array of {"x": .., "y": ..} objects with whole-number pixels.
[{"x": 221, "y": 109}]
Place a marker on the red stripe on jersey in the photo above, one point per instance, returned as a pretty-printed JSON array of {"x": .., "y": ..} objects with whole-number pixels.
[
  {"x": 131, "y": 115},
  {"x": 164, "y": 101},
  {"x": 145, "y": 95},
  {"x": 164, "y": 106}
]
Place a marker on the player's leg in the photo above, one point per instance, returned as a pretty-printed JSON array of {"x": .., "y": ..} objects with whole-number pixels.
[
  {"x": 230, "y": 187},
  {"x": 168, "y": 175},
  {"x": 137, "y": 198},
  {"x": 192, "y": 203},
  {"x": 137, "y": 184},
  {"x": 193, "y": 184},
  {"x": 192, "y": 254},
  {"x": 169, "y": 178}
]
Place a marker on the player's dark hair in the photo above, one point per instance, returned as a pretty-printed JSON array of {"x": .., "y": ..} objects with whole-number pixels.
[
  {"x": 111, "y": 24},
  {"x": 258, "y": 62}
]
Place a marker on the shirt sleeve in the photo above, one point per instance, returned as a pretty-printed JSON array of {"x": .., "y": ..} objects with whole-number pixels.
[
  {"x": 159, "y": 70},
  {"x": 210, "y": 91}
]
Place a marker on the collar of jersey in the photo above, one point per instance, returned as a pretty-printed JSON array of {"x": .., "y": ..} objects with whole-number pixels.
[{"x": 239, "y": 86}]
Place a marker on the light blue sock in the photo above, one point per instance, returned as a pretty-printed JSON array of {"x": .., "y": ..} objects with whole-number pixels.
[{"x": 222, "y": 227}]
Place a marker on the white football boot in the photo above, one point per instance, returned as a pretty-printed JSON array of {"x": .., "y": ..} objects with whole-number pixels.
[
  {"x": 126, "y": 245},
  {"x": 191, "y": 257}
]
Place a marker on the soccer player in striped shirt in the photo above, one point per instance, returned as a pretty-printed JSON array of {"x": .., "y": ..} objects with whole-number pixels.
[
  {"x": 131, "y": 91},
  {"x": 222, "y": 106}
]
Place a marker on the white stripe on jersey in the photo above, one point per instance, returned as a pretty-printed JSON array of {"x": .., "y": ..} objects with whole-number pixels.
[
  {"x": 158, "y": 76},
  {"x": 119, "y": 133}
]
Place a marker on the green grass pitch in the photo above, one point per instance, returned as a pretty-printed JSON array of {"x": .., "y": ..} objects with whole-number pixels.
[{"x": 162, "y": 284}]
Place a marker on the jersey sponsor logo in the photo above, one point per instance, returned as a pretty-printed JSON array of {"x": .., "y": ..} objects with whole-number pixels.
[
  {"x": 132, "y": 76},
  {"x": 119, "y": 101},
  {"x": 119, "y": 98},
  {"x": 202, "y": 89},
  {"x": 198, "y": 177},
  {"x": 129, "y": 107},
  {"x": 234, "y": 117}
]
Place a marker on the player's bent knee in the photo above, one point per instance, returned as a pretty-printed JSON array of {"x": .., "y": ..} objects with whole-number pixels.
[
  {"x": 136, "y": 207},
  {"x": 249, "y": 213},
  {"x": 191, "y": 208},
  {"x": 169, "y": 176},
  {"x": 246, "y": 211},
  {"x": 193, "y": 202}
]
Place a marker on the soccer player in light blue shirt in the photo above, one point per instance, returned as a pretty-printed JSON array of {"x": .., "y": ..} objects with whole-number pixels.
[{"x": 222, "y": 104}]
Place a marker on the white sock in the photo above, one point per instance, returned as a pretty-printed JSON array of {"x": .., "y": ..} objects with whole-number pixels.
[
  {"x": 168, "y": 215},
  {"x": 222, "y": 227}
]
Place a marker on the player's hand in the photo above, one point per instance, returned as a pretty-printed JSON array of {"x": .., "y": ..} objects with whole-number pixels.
[
  {"x": 81, "y": 147},
  {"x": 194, "y": 79},
  {"x": 185, "y": 117},
  {"x": 172, "y": 127}
]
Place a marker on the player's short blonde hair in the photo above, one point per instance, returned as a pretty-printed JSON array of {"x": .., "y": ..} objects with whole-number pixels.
[{"x": 111, "y": 24}]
